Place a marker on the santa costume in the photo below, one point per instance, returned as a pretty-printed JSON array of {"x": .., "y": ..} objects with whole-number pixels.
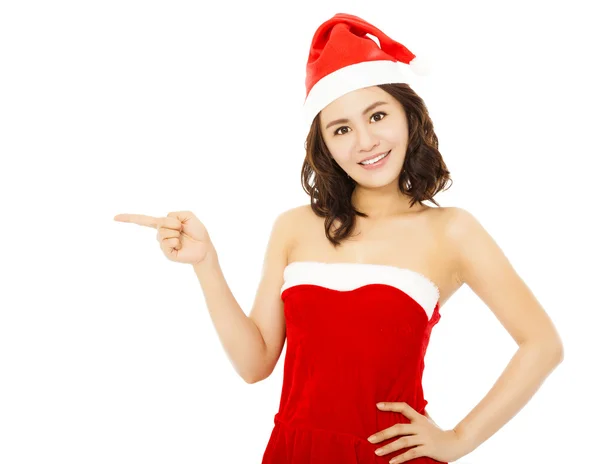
[{"x": 356, "y": 333}]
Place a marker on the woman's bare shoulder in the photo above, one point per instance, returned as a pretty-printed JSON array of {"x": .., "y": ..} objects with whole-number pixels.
[
  {"x": 299, "y": 214},
  {"x": 453, "y": 217},
  {"x": 293, "y": 219}
]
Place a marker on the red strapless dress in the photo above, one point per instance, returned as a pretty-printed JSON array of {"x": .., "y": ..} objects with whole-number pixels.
[{"x": 356, "y": 335}]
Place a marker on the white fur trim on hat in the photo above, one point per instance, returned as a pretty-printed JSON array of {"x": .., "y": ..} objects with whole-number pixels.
[{"x": 353, "y": 77}]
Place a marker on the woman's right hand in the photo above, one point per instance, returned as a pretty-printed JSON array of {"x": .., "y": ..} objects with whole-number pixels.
[{"x": 181, "y": 235}]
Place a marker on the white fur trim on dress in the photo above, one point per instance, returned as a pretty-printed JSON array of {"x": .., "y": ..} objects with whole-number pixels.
[{"x": 349, "y": 276}]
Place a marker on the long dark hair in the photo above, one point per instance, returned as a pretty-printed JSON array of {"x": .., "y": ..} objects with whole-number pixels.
[{"x": 423, "y": 174}]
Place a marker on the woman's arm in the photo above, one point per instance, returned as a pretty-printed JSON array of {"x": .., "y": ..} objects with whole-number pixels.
[
  {"x": 486, "y": 270},
  {"x": 523, "y": 376}
]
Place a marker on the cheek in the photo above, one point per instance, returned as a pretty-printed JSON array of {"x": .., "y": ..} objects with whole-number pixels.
[
  {"x": 342, "y": 159},
  {"x": 341, "y": 151},
  {"x": 392, "y": 130},
  {"x": 391, "y": 134}
]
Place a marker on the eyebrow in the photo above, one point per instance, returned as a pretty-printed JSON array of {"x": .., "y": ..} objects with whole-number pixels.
[{"x": 366, "y": 110}]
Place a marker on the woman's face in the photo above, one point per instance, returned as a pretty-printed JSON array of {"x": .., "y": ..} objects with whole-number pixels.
[{"x": 374, "y": 123}]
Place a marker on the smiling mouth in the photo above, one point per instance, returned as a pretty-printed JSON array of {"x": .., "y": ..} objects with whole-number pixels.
[{"x": 381, "y": 156}]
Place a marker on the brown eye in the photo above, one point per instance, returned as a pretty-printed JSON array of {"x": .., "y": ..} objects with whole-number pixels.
[
  {"x": 379, "y": 112},
  {"x": 336, "y": 131}
]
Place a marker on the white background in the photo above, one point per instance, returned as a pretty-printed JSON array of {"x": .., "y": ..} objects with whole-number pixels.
[{"x": 107, "y": 351}]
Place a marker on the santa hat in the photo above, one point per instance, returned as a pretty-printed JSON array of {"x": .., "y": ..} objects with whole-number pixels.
[{"x": 343, "y": 58}]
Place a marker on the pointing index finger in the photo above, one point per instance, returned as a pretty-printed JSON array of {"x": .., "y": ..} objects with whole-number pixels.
[{"x": 140, "y": 219}]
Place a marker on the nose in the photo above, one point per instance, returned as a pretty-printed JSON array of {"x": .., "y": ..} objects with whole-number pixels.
[{"x": 366, "y": 140}]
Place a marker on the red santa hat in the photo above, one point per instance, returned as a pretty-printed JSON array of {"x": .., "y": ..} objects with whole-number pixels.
[{"x": 343, "y": 58}]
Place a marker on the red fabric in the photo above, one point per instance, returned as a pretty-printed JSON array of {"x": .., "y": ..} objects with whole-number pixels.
[
  {"x": 347, "y": 351},
  {"x": 342, "y": 41}
]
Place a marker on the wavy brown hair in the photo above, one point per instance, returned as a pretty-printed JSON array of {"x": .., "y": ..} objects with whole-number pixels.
[{"x": 423, "y": 174}]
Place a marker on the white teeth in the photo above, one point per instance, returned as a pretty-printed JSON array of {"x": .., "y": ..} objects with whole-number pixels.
[{"x": 374, "y": 160}]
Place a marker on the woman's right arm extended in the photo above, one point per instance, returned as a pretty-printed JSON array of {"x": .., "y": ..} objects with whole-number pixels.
[{"x": 252, "y": 342}]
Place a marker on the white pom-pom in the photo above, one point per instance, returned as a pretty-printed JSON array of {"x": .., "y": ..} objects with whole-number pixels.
[{"x": 421, "y": 66}]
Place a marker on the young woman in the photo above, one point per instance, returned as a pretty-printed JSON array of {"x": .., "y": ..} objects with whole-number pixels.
[{"x": 355, "y": 280}]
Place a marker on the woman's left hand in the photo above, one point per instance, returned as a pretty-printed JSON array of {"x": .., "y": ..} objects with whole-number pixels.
[{"x": 422, "y": 434}]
